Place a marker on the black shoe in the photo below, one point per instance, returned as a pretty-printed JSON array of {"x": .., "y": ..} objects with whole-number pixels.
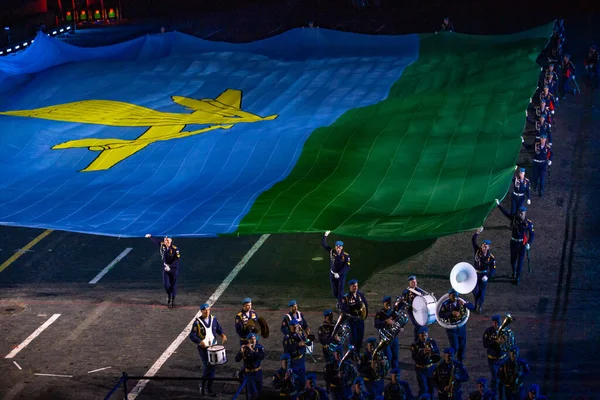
[
  {"x": 518, "y": 281},
  {"x": 172, "y": 303},
  {"x": 169, "y": 300},
  {"x": 202, "y": 390}
]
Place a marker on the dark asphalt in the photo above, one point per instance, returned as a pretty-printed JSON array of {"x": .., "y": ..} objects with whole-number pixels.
[{"x": 122, "y": 322}]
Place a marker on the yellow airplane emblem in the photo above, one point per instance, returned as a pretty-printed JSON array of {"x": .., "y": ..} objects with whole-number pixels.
[{"x": 222, "y": 112}]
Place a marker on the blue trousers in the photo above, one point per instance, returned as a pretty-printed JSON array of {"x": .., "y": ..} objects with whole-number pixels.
[
  {"x": 391, "y": 352},
  {"x": 208, "y": 370},
  {"x": 494, "y": 366},
  {"x": 479, "y": 291},
  {"x": 457, "y": 339},
  {"x": 517, "y": 255},
  {"x": 425, "y": 380},
  {"x": 516, "y": 202},
  {"x": 299, "y": 367},
  {"x": 337, "y": 286},
  {"x": 375, "y": 388},
  {"x": 254, "y": 384},
  {"x": 540, "y": 170},
  {"x": 170, "y": 282},
  {"x": 357, "y": 333}
]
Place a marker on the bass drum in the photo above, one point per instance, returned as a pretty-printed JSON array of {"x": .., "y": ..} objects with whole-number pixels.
[{"x": 424, "y": 309}]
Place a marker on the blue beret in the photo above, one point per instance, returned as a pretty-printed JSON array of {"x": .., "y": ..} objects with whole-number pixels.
[
  {"x": 543, "y": 136},
  {"x": 247, "y": 300},
  {"x": 293, "y": 321},
  {"x": 311, "y": 377},
  {"x": 327, "y": 312},
  {"x": 423, "y": 329},
  {"x": 482, "y": 380},
  {"x": 551, "y": 65},
  {"x": 515, "y": 348},
  {"x": 358, "y": 381},
  {"x": 521, "y": 169},
  {"x": 497, "y": 318},
  {"x": 522, "y": 208},
  {"x": 284, "y": 357},
  {"x": 387, "y": 299},
  {"x": 395, "y": 371},
  {"x": 412, "y": 278},
  {"x": 452, "y": 291},
  {"x": 534, "y": 388},
  {"x": 250, "y": 335},
  {"x": 448, "y": 350},
  {"x": 339, "y": 243},
  {"x": 372, "y": 340},
  {"x": 292, "y": 303},
  {"x": 204, "y": 306},
  {"x": 352, "y": 281},
  {"x": 488, "y": 242}
]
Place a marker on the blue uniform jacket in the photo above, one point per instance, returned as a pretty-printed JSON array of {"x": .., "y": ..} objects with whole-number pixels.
[
  {"x": 419, "y": 356},
  {"x": 285, "y": 324},
  {"x": 441, "y": 375},
  {"x": 338, "y": 263},
  {"x": 291, "y": 345},
  {"x": 241, "y": 319},
  {"x": 541, "y": 154},
  {"x": 521, "y": 230},
  {"x": 213, "y": 324},
  {"x": 169, "y": 255},
  {"x": 449, "y": 306},
  {"x": 252, "y": 359},
  {"x": 351, "y": 304},
  {"x": 521, "y": 187},
  {"x": 485, "y": 264}
]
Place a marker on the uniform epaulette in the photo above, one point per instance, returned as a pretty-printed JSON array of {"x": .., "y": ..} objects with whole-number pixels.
[
  {"x": 345, "y": 253},
  {"x": 528, "y": 220},
  {"x": 492, "y": 255},
  {"x": 174, "y": 247},
  {"x": 239, "y": 314}
]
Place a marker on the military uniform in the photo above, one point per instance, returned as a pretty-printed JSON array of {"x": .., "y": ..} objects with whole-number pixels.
[
  {"x": 252, "y": 369},
  {"x": 298, "y": 316},
  {"x": 206, "y": 330},
  {"x": 399, "y": 390},
  {"x": 360, "y": 394},
  {"x": 336, "y": 386},
  {"x": 496, "y": 352},
  {"x": 482, "y": 393},
  {"x": 373, "y": 381},
  {"x": 543, "y": 128},
  {"x": 170, "y": 257},
  {"x": 457, "y": 337},
  {"x": 285, "y": 381},
  {"x": 292, "y": 345},
  {"x": 568, "y": 74},
  {"x": 520, "y": 192},
  {"x": 425, "y": 362},
  {"x": 442, "y": 376},
  {"x": 351, "y": 305},
  {"x": 241, "y": 321},
  {"x": 408, "y": 297},
  {"x": 591, "y": 67},
  {"x": 338, "y": 264},
  {"x": 391, "y": 350},
  {"x": 485, "y": 265},
  {"x": 314, "y": 392},
  {"x": 326, "y": 335},
  {"x": 511, "y": 377},
  {"x": 542, "y": 158},
  {"x": 522, "y": 235}
]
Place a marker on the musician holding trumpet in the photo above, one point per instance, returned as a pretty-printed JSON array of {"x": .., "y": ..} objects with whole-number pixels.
[
  {"x": 448, "y": 376},
  {"x": 252, "y": 354},
  {"x": 426, "y": 354}
]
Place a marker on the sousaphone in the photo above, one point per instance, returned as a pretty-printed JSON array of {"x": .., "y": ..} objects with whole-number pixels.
[{"x": 463, "y": 279}]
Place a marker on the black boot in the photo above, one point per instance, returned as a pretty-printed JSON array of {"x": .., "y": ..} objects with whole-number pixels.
[
  {"x": 169, "y": 300},
  {"x": 172, "y": 302}
]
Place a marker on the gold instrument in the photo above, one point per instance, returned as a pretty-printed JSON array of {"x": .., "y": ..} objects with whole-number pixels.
[
  {"x": 435, "y": 358},
  {"x": 379, "y": 362},
  {"x": 340, "y": 333},
  {"x": 501, "y": 332},
  {"x": 362, "y": 313},
  {"x": 452, "y": 382},
  {"x": 347, "y": 370},
  {"x": 264, "y": 327},
  {"x": 258, "y": 327}
]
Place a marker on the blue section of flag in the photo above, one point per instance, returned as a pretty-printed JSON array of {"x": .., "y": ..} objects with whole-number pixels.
[{"x": 200, "y": 185}]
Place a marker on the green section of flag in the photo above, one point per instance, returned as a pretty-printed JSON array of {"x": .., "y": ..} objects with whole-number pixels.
[{"x": 426, "y": 162}]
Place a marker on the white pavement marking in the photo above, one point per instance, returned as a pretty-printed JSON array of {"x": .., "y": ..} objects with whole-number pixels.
[
  {"x": 35, "y": 334},
  {"x": 18, "y": 366},
  {"x": 58, "y": 376},
  {"x": 109, "y": 266},
  {"x": 99, "y": 369},
  {"x": 184, "y": 333},
  {"x": 380, "y": 28},
  {"x": 210, "y": 34}
]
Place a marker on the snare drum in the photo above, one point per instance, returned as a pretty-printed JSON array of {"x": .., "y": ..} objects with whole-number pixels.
[
  {"x": 217, "y": 355},
  {"x": 424, "y": 309}
]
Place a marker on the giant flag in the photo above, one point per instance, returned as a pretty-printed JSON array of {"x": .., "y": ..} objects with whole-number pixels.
[{"x": 383, "y": 137}]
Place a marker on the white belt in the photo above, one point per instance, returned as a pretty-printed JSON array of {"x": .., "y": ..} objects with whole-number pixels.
[
  {"x": 534, "y": 160},
  {"x": 519, "y": 194}
]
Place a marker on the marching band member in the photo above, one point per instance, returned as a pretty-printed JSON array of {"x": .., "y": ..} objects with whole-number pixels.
[
  {"x": 170, "y": 256},
  {"x": 285, "y": 379},
  {"x": 511, "y": 375},
  {"x": 372, "y": 371},
  {"x": 521, "y": 191},
  {"x": 293, "y": 314},
  {"x": 397, "y": 389},
  {"x": 448, "y": 376},
  {"x": 482, "y": 393},
  {"x": 521, "y": 239},
  {"x": 333, "y": 377},
  {"x": 497, "y": 345},
  {"x": 339, "y": 265},
  {"x": 325, "y": 334},
  {"x": 203, "y": 333},
  {"x": 352, "y": 303},
  {"x": 358, "y": 390},
  {"x": 311, "y": 390},
  {"x": 485, "y": 265},
  {"x": 382, "y": 320},
  {"x": 453, "y": 310},
  {"x": 425, "y": 354},
  {"x": 408, "y": 296},
  {"x": 242, "y": 318},
  {"x": 294, "y": 344},
  {"x": 252, "y": 353}
]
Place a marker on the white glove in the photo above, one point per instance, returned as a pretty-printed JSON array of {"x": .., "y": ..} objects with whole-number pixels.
[
  {"x": 527, "y": 246},
  {"x": 522, "y": 140},
  {"x": 479, "y": 230},
  {"x": 327, "y": 233},
  {"x": 148, "y": 235},
  {"x": 336, "y": 275},
  {"x": 484, "y": 279},
  {"x": 549, "y": 163},
  {"x": 528, "y": 201},
  {"x": 497, "y": 201},
  {"x": 167, "y": 268}
]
